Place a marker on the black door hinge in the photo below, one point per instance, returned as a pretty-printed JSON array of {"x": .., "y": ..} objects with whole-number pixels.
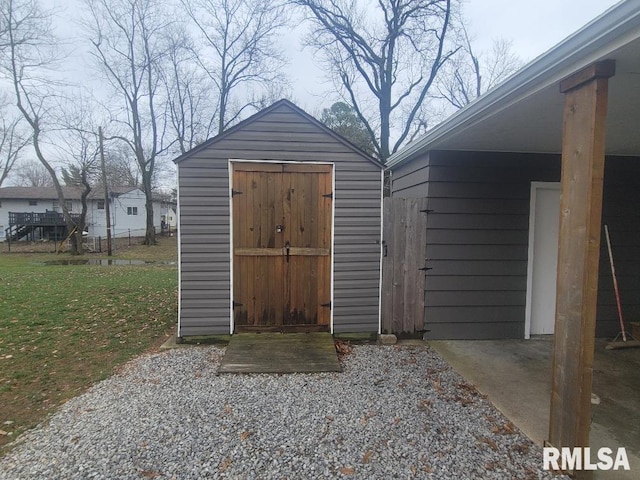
[
  {"x": 428, "y": 210},
  {"x": 328, "y": 195},
  {"x": 424, "y": 269},
  {"x": 326, "y": 305},
  {"x": 235, "y": 192},
  {"x": 237, "y": 304}
]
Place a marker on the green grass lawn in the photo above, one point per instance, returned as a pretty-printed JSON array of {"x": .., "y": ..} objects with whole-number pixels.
[{"x": 63, "y": 328}]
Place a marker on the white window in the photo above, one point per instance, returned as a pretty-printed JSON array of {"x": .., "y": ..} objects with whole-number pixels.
[
  {"x": 100, "y": 204},
  {"x": 132, "y": 210},
  {"x": 33, "y": 203}
]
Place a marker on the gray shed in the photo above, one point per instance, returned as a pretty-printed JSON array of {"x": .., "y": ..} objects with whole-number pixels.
[{"x": 279, "y": 228}]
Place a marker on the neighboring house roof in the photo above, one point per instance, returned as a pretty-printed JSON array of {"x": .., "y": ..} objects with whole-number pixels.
[
  {"x": 49, "y": 193},
  {"x": 524, "y": 113},
  {"x": 262, "y": 113}
]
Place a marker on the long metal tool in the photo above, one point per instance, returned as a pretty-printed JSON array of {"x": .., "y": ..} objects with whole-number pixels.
[
  {"x": 615, "y": 284},
  {"x": 625, "y": 343}
]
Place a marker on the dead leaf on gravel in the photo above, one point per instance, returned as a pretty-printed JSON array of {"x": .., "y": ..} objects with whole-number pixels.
[
  {"x": 342, "y": 348},
  {"x": 367, "y": 456},
  {"x": 437, "y": 386},
  {"x": 488, "y": 441},
  {"x": 2, "y": 432},
  {"x": 506, "y": 429},
  {"x": 150, "y": 474},
  {"x": 245, "y": 435},
  {"x": 225, "y": 464},
  {"x": 347, "y": 470},
  {"x": 520, "y": 448}
]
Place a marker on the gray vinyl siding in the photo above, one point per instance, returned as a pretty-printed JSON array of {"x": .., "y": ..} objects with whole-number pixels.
[
  {"x": 281, "y": 134},
  {"x": 478, "y": 233}
]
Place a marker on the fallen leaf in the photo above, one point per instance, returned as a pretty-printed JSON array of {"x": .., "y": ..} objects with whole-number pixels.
[
  {"x": 225, "y": 464},
  {"x": 2, "y": 432},
  {"x": 367, "y": 456},
  {"x": 150, "y": 474},
  {"x": 244, "y": 435},
  {"x": 523, "y": 449},
  {"x": 488, "y": 441},
  {"x": 347, "y": 470}
]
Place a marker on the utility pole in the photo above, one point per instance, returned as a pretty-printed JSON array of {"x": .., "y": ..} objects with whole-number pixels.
[{"x": 106, "y": 192}]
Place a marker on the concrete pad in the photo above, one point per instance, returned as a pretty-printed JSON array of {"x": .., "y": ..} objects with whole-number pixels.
[
  {"x": 280, "y": 353},
  {"x": 516, "y": 377}
]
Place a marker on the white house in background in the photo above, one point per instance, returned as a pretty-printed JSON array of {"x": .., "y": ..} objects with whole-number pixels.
[{"x": 127, "y": 209}]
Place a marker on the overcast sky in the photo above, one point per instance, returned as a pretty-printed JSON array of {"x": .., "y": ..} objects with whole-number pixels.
[{"x": 534, "y": 26}]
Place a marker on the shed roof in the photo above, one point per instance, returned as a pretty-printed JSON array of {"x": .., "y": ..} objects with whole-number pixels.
[
  {"x": 279, "y": 104},
  {"x": 524, "y": 113}
]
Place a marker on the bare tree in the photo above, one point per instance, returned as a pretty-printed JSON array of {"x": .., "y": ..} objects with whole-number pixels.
[
  {"x": 126, "y": 36},
  {"x": 29, "y": 61},
  {"x": 190, "y": 106},
  {"x": 12, "y": 141},
  {"x": 469, "y": 74},
  {"x": 121, "y": 169},
  {"x": 239, "y": 52},
  {"x": 31, "y": 173},
  {"x": 385, "y": 58}
]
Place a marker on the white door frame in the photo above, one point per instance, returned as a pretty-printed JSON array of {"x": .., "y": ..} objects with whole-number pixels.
[{"x": 535, "y": 186}]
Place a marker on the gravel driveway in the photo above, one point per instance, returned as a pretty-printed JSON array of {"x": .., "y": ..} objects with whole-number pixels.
[{"x": 395, "y": 412}]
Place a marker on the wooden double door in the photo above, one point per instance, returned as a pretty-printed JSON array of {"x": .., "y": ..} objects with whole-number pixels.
[{"x": 282, "y": 246}]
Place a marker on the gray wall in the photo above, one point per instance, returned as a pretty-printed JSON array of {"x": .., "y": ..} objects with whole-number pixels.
[
  {"x": 477, "y": 238},
  {"x": 284, "y": 134}
]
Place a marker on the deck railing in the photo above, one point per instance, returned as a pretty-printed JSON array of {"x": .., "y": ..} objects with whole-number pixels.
[{"x": 40, "y": 219}]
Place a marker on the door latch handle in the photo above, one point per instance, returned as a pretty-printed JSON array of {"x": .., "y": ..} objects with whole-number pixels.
[{"x": 287, "y": 247}]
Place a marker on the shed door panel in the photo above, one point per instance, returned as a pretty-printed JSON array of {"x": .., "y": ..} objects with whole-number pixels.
[{"x": 281, "y": 278}]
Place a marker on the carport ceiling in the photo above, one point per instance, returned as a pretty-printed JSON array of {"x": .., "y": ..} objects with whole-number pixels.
[{"x": 534, "y": 123}]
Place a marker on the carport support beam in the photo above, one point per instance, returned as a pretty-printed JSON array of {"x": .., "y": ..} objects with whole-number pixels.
[{"x": 585, "y": 107}]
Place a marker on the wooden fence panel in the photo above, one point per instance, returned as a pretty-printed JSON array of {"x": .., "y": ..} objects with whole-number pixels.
[{"x": 403, "y": 282}]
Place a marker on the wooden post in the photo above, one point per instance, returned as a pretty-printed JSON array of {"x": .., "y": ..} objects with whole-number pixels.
[{"x": 583, "y": 145}]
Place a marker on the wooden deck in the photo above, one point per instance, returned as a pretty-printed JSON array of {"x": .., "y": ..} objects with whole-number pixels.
[{"x": 48, "y": 224}]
